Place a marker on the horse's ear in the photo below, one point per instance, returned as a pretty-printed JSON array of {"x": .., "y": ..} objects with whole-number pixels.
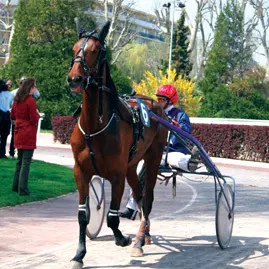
[
  {"x": 78, "y": 27},
  {"x": 104, "y": 32}
]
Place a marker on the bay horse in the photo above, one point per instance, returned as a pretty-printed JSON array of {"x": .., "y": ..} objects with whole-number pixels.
[{"x": 102, "y": 139}]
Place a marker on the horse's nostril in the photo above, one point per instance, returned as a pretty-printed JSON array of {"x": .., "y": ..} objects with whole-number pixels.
[{"x": 77, "y": 79}]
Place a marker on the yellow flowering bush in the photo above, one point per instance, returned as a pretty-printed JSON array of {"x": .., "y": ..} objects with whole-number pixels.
[{"x": 149, "y": 85}]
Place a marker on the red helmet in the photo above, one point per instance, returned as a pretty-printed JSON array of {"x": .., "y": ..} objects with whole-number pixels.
[{"x": 168, "y": 91}]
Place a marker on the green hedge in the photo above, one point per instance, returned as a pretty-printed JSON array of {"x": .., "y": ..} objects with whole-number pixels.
[{"x": 241, "y": 142}]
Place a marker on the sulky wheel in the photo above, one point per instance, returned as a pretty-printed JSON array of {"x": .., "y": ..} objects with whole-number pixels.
[
  {"x": 97, "y": 207},
  {"x": 224, "y": 216}
]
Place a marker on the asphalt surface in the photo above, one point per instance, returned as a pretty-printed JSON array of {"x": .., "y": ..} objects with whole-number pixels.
[{"x": 44, "y": 235}]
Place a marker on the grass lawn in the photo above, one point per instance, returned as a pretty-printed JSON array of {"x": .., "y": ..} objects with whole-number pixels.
[
  {"x": 46, "y": 131},
  {"x": 45, "y": 180}
]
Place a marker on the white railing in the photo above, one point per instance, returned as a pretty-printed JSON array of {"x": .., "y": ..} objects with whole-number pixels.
[
  {"x": 229, "y": 121},
  {"x": 42, "y": 115}
]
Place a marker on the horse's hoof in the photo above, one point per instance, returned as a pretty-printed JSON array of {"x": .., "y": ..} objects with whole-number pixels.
[
  {"x": 147, "y": 240},
  {"x": 124, "y": 243},
  {"x": 129, "y": 241},
  {"x": 137, "y": 252},
  {"x": 76, "y": 265}
]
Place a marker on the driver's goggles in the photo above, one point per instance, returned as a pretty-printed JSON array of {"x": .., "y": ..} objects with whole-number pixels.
[{"x": 162, "y": 99}]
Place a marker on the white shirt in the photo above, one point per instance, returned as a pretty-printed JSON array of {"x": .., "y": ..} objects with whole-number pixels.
[
  {"x": 6, "y": 100},
  {"x": 14, "y": 92},
  {"x": 168, "y": 108}
]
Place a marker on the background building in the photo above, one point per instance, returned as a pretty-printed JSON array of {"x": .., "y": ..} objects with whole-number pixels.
[{"x": 143, "y": 25}]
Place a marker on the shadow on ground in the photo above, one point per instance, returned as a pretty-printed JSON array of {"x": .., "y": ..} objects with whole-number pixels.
[{"x": 198, "y": 252}]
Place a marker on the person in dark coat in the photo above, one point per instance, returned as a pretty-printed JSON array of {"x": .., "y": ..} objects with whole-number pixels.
[
  {"x": 26, "y": 117},
  {"x": 6, "y": 100}
]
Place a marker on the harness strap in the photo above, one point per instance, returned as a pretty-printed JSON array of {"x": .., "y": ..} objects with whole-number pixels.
[
  {"x": 88, "y": 140},
  {"x": 133, "y": 148},
  {"x": 98, "y": 132},
  {"x": 100, "y": 107},
  {"x": 91, "y": 153}
]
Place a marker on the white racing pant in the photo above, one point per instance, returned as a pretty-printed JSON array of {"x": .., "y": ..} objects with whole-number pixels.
[{"x": 175, "y": 159}]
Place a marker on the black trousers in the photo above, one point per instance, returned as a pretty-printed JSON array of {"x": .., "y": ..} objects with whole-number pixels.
[
  {"x": 4, "y": 132},
  {"x": 11, "y": 146}
]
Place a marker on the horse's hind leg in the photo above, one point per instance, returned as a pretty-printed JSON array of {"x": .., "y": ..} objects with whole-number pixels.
[
  {"x": 113, "y": 220},
  {"x": 137, "y": 193},
  {"x": 152, "y": 163},
  {"x": 83, "y": 217}
]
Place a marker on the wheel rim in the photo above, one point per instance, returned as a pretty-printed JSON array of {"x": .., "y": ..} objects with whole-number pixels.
[
  {"x": 224, "y": 220},
  {"x": 96, "y": 214}
]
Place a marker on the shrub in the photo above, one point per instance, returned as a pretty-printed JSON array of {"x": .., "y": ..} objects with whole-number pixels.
[
  {"x": 122, "y": 82},
  {"x": 240, "y": 142},
  {"x": 187, "y": 100},
  {"x": 63, "y": 127}
]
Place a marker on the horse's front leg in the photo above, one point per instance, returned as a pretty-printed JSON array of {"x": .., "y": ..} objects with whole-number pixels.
[
  {"x": 113, "y": 220},
  {"x": 83, "y": 218}
]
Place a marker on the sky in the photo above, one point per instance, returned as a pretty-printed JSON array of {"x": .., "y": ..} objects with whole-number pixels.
[{"x": 149, "y": 5}]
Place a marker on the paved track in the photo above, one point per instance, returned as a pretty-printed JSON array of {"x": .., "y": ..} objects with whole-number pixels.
[{"x": 44, "y": 235}]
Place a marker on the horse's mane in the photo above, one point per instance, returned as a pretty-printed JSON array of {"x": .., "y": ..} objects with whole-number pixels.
[{"x": 114, "y": 97}]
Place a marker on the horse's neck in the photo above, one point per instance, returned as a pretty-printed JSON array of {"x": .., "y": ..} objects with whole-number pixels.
[{"x": 89, "y": 113}]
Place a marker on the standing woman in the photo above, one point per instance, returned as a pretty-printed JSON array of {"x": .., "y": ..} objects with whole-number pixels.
[{"x": 26, "y": 118}]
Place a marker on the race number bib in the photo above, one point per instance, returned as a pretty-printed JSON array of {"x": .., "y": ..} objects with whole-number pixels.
[{"x": 144, "y": 112}]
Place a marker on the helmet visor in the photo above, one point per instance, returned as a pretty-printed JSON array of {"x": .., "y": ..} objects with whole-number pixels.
[{"x": 162, "y": 99}]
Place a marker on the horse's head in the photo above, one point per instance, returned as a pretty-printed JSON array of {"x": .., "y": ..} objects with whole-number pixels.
[{"x": 89, "y": 56}]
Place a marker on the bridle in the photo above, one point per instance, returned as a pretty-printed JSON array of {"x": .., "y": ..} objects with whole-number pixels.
[{"x": 92, "y": 74}]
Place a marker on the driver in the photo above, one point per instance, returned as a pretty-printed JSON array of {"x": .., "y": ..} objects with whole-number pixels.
[{"x": 178, "y": 154}]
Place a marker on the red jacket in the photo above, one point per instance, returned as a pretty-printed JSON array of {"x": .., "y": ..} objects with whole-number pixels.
[{"x": 26, "y": 119}]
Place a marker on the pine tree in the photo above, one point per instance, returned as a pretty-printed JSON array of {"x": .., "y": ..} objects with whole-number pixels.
[
  {"x": 42, "y": 47},
  {"x": 180, "y": 55},
  {"x": 231, "y": 54},
  {"x": 216, "y": 66},
  {"x": 229, "y": 58},
  {"x": 239, "y": 40}
]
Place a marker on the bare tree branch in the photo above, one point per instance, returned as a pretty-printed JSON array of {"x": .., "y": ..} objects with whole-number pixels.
[
  {"x": 119, "y": 33},
  {"x": 261, "y": 11},
  {"x": 7, "y": 24}
]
